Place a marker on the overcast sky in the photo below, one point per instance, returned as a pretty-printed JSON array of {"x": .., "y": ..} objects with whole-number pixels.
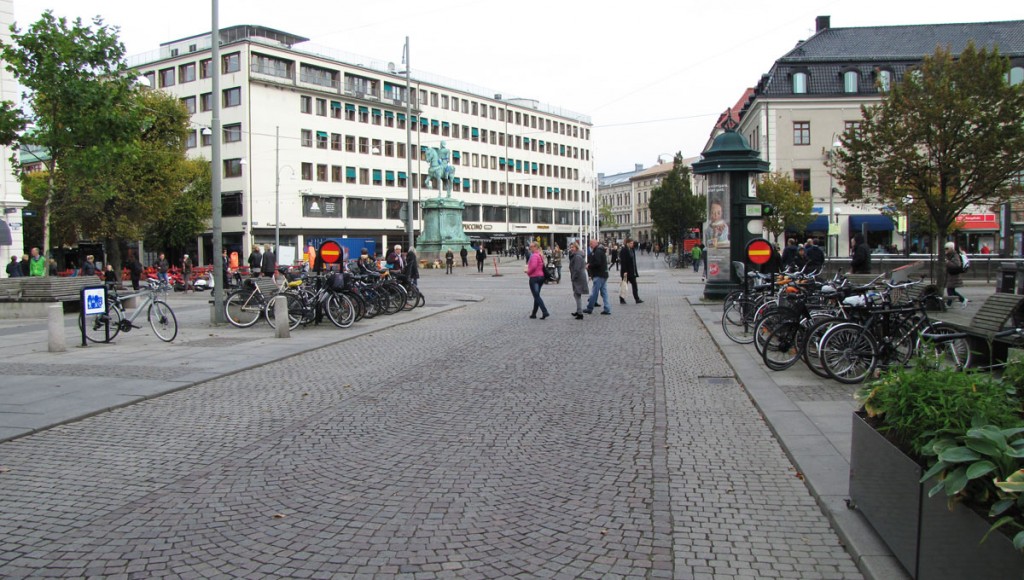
[{"x": 653, "y": 75}]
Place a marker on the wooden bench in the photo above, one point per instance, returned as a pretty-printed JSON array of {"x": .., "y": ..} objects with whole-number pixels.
[
  {"x": 998, "y": 312},
  {"x": 55, "y": 288},
  {"x": 10, "y": 288}
]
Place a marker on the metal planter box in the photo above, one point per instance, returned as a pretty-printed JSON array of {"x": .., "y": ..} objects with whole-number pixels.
[{"x": 930, "y": 540}]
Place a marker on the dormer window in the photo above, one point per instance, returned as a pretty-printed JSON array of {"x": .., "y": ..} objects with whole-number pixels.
[
  {"x": 1016, "y": 75},
  {"x": 799, "y": 83},
  {"x": 884, "y": 80},
  {"x": 850, "y": 81}
]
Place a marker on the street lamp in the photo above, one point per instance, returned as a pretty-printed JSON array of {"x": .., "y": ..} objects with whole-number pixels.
[
  {"x": 830, "y": 246},
  {"x": 409, "y": 232},
  {"x": 217, "y": 316},
  {"x": 906, "y": 227}
]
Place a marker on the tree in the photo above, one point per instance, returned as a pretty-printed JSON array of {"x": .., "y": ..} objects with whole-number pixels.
[
  {"x": 605, "y": 216},
  {"x": 949, "y": 136},
  {"x": 792, "y": 207},
  {"x": 189, "y": 211},
  {"x": 77, "y": 88},
  {"x": 674, "y": 207},
  {"x": 144, "y": 183}
]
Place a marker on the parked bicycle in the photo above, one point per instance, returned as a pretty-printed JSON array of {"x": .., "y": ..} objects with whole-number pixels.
[{"x": 107, "y": 325}]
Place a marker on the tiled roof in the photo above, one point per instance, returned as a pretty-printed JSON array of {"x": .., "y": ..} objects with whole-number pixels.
[{"x": 907, "y": 42}]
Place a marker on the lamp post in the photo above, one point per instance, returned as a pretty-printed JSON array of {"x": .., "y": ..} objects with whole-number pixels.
[
  {"x": 217, "y": 316},
  {"x": 906, "y": 226},
  {"x": 409, "y": 231},
  {"x": 836, "y": 143}
]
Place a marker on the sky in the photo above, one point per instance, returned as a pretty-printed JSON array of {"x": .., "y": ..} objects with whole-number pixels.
[{"x": 653, "y": 75}]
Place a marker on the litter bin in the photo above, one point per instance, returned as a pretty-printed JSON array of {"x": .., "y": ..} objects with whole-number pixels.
[{"x": 1011, "y": 278}]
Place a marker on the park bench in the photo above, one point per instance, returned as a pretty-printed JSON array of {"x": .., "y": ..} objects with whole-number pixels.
[
  {"x": 46, "y": 289},
  {"x": 997, "y": 312}
]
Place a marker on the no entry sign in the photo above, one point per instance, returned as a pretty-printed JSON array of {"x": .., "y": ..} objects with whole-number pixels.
[
  {"x": 759, "y": 251},
  {"x": 330, "y": 252}
]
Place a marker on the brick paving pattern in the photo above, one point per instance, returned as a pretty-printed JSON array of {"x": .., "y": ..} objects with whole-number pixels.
[{"x": 474, "y": 444}]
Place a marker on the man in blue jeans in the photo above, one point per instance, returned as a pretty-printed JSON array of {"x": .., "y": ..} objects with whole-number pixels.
[{"x": 597, "y": 267}]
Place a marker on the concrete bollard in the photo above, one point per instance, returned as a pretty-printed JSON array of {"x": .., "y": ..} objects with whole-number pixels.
[
  {"x": 57, "y": 341},
  {"x": 281, "y": 317}
]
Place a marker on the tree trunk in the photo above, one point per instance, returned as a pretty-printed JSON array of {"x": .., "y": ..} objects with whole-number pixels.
[{"x": 45, "y": 250}]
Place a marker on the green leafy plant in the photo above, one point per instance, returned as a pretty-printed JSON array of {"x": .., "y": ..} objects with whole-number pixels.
[
  {"x": 914, "y": 405},
  {"x": 983, "y": 468}
]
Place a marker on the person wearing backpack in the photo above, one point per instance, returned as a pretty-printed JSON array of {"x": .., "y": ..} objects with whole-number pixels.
[{"x": 954, "y": 267}]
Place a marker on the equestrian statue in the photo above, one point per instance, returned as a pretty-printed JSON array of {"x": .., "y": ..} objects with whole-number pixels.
[{"x": 440, "y": 169}]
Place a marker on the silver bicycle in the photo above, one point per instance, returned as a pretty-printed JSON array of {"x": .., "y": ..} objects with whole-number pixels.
[{"x": 105, "y": 326}]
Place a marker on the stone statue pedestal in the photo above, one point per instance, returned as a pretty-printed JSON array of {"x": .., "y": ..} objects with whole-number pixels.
[{"x": 442, "y": 229}]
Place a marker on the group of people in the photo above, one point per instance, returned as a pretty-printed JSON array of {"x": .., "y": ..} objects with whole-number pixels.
[
  {"x": 33, "y": 264},
  {"x": 594, "y": 266},
  {"x": 262, "y": 264}
]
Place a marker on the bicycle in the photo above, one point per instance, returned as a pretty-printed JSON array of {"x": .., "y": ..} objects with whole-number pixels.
[
  {"x": 244, "y": 307},
  {"x": 105, "y": 326}
]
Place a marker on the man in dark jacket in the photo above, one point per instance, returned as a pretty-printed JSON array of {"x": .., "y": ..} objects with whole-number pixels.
[
  {"x": 597, "y": 267},
  {"x": 627, "y": 260},
  {"x": 464, "y": 254},
  {"x": 255, "y": 261},
  {"x": 860, "y": 261},
  {"x": 789, "y": 253},
  {"x": 481, "y": 256},
  {"x": 269, "y": 262},
  {"x": 815, "y": 256}
]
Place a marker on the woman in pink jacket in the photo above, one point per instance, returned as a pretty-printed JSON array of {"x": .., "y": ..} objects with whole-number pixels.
[{"x": 535, "y": 270}]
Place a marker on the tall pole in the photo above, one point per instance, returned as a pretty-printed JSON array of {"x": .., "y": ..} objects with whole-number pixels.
[
  {"x": 277, "y": 191},
  {"x": 217, "y": 316},
  {"x": 409, "y": 231}
]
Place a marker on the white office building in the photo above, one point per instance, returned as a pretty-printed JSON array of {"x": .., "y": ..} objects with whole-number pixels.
[
  {"x": 11, "y": 201},
  {"x": 319, "y": 137}
]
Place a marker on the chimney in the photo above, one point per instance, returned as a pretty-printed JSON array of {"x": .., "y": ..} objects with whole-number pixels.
[
  {"x": 822, "y": 23},
  {"x": 600, "y": 176},
  {"x": 639, "y": 166}
]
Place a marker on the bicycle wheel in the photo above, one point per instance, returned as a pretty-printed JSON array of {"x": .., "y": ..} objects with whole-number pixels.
[
  {"x": 810, "y": 350},
  {"x": 410, "y": 297},
  {"x": 96, "y": 324},
  {"x": 294, "y": 306},
  {"x": 782, "y": 349},
  {"x": 738, "y": 320},
  {"x": 162, "y": 320},
  {"x": 341, "y": 311},
  {"x": 767, "y": 323},
  {"x": 848, "y": 353},
  {"x": 243, "y": 308},
  {"x": 395, "y": 298},
  {"x": 951, "y": 354}
]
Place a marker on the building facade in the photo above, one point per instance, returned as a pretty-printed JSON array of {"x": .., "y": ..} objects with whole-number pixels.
[
  {"x": 814, "y": 93},
  {"x": 11, "y": 201},
  {"x": 615, "y": 193},
  {"x": 320, "y": 138},
  {"x": 628, "y": 196}
]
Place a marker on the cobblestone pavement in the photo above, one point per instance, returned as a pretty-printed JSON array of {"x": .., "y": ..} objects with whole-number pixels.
[{"x": 476, "y": 443}]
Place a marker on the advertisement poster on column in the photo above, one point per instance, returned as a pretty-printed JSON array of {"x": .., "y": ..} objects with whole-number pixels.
[{"x": 716, "y": 233}]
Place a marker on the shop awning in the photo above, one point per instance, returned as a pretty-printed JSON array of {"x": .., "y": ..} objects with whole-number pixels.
[
  {"x": 978, "y": 222},
  {"x": 873, "y": 223},
  {"x": 818, "y": 224}
]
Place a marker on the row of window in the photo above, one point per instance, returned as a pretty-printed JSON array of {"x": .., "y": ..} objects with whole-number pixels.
[
  {"x": 186, "y": 73},
  {"x": 802, "y": 131},
  {"x": 363, "y": 208},
  {"x": 350, "y": 112},
  {"x": 882, "y": 79},
  {"x": 229, "y": 98}
]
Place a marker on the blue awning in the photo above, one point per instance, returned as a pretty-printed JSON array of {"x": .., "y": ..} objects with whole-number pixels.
[
  {"x": 818, "y": 224},
  {"x": 874, "y": 223}
]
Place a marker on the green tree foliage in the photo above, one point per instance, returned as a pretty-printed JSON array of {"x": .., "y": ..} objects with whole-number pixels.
[
  {"x": 792, "y": 205},
  {"x": 674, "y": 207},
  {"x": 116, "y": 201},
  {"x": 606, "y": 217},
  {"x": 188, "y": 212},
  {"x": 949, "y": 136},
  {"x": 77, "y": 92}
]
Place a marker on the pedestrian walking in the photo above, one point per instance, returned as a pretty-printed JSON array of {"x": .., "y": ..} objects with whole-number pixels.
[
  {"x": 449, "y": 261},
  {"x": 36, "y": 264},
  {"x": 89, "y": 267},
  {"x": 255, "y": 261},
  {"x": 134, "y": 269},
  {"x": 481, "y": 256},
  {"x": 412, "y": 267},
  {"x": 556, "y": 259},
  {"x": 395, "y": 260},
  {"x": 695, "y": 253},
  {"x": 860, "y": 261},
  {"x": 629, "y": 272},
  {"x": 578, "y": 278},
  {"x": 268, "y": 264},
  {"x": 162, "y": 266},
  {"x": 186, "y": 273},
  {"x": 535, "y": 272},
  {"x": 613, "y": 254},
  {"x": 815, "y": 256},
  {"x": 597, "y": 267},
  {"x": 954, "y": 267},
  {"x": 464, "y": 254},
  {"x": 14, "y": 268}
]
